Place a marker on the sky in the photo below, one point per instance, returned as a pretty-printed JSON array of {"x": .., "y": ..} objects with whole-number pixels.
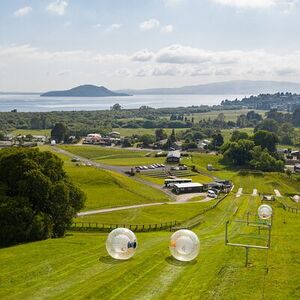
[{"x": 59, "y": 44}]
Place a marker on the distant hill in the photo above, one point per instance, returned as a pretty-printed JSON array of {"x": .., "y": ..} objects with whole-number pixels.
[
  {"x": 226, "y": 87},
  {"x": 85, "y": 91}
]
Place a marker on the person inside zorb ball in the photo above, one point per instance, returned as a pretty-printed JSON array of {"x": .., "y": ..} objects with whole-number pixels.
[
  {"x": 265, "y": 212},
  {"x": 121, "y": 243},
  {"x": 184, "y": 245}
]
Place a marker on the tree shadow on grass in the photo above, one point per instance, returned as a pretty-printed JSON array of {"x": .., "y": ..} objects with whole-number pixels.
[
  {"x": 174, "y": 262},
  {"x": 110, "y": 261}
]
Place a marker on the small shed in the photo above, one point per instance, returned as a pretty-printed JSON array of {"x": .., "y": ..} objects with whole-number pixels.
[
  {"x": 188, "y": 187},
  {"x": 173, "y": 156}
]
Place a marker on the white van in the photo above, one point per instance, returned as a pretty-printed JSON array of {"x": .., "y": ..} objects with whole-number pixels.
[{"x": 211, "y": 194}]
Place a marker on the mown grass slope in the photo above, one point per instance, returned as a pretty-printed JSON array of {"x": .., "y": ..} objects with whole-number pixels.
[
  {"x": 77, "y": 267},
  {"x": 149, "y": 215},
  {"x": 108, "y": 189}
]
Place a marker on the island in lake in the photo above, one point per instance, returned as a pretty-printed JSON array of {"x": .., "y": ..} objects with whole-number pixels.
[{"x": 87, "y": 90}]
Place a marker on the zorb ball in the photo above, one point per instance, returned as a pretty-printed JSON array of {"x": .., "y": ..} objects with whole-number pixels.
[
  {"x": 184, "y": 245},
  {"x": 264, "y": 212},
  {"x": 121, "y": 243}
]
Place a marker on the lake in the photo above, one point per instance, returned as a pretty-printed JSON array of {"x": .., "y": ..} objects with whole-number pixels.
[{"x": 35, "y": 103}]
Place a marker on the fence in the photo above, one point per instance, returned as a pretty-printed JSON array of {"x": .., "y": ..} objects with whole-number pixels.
[
  {"x": 92, "y": 226},
  {"x": 289, "y": 208}
]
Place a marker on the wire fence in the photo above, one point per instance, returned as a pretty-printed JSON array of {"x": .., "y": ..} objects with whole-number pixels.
[
  {"x": 288, "y": 208},
  {"x": 103, "y": 227}
]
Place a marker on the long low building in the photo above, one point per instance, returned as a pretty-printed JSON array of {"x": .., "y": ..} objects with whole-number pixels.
[{"x": 188, "y": 187}]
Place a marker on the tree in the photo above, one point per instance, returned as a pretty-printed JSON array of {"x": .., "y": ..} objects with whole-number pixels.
[
  {"x": 241, "y": 121},
  {"x": 147, "y": 139},
  {"x": 39, "y": 200},
  {"x": 238, "y": 153},
  {"x": 59, "y": 133},
  {"x": 116, "y": 107},
  {"x": 262, "y": 160},
  {"x": 265, "y": 139},
  {"x": 160, "y": 134},
  {"x": 239, "y": 135},
  {"x": 296, "y": 117},
  {"x": 172, "y": 136},
  {"x": 253, "y": 117},
  {"x": 217, "y": 140},
  {"x": 267, "y": 125}
]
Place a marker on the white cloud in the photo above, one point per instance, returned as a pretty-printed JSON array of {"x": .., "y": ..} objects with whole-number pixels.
[
  {"x": 257, "y": 3},
  {"x": 166, "y": 71},
  {"x": 58, "y": 7},
  {"x": 114, "y": 27},
  {"x": 175, "y": 64},
  {"x": 23, "y": 11},
  {"x": 149, "y": 24},
  {"x": 178, "y": 54},
  {"x": 167, "y": 29},
  {"x": 143, "y": 55}
]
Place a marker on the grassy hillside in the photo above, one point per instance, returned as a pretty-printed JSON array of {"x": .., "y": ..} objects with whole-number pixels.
[
  {"x": 78, "y": 267},
  {"x": 108, "y": 189},
  {"x": 150, "y": 215}
]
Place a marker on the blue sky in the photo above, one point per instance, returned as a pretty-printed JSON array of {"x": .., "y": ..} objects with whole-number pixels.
[{"x": 54, "y": 44}]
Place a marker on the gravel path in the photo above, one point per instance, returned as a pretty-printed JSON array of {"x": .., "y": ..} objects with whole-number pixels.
[{"x": 107, "y": 210}]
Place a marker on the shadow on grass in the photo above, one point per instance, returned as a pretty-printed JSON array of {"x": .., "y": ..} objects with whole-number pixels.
[
  {"x": 110, "y": 261},
  {"x": 174, "y": 262}
]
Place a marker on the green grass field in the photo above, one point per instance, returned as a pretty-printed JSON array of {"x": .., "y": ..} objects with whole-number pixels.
[
  {"x": 117, "y": 157},
  {"x": 108, "y": 189},
  {"x": 230, "y": 115},
  {"x": 142, "y": 131},
  {"x": 78, "y": 267},
  {"x": 46, "y": 132},
  {"x": 149, "y": 215}
]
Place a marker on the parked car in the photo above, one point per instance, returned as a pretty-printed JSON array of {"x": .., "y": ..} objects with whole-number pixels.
[
  {"x": 211, "y": 194},
  {"x": 75, "y": 159}
]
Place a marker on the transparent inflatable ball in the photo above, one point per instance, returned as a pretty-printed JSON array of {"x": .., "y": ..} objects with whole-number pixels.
[
  {"x": 121, "y": 243},
  {"x": 184, "y": 245},
  {"x": 264, "y": 212}
]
